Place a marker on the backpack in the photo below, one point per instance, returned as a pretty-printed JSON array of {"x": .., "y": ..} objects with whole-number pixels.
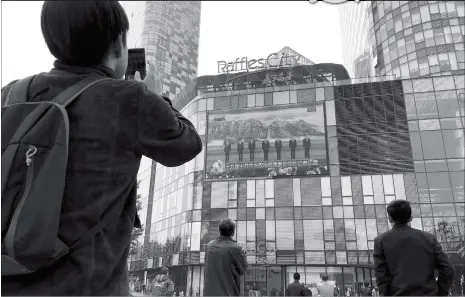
[
  {"x": 35, "y": 139},
  {"x": 162, "y": 286}
]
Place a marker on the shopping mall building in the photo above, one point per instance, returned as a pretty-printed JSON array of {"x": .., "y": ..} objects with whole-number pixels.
[{"x": 305, "y": 160}]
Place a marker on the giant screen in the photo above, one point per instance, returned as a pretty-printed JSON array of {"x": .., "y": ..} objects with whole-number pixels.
[{"x": 269, "y": 141}]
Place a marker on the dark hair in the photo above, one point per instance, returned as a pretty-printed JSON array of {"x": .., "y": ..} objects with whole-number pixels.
[
  {"x": 227, "y": 227},
  {"x": 79, "y": 33},
  {"x": 324, "y": 277},
  {"x": 164, "y": 270},
  {"x": 400, "y": 211},
  {"x": 296, "y": 276},
  {"x": 366, "y": 283}
]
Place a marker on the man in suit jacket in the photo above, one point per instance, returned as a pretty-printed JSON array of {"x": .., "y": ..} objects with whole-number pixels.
[
  {"x": 266, "y": 148},
  {"x": 292, "y": 146},
  {"x": 278, "y": 145},
  {"x": 240, "y": 149},
  {"x": 405, "y": 258},
  {"x": 252, "y": 149},
  {"x": 227, "y": 148},
  {"x": 307, "y": 144}
]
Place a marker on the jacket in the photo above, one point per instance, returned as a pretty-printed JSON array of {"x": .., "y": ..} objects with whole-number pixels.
[
  {"x": 296, "y": 289},
  {"x": 405, "y": 259},
  {"x": 112, "y": 124},
  {"x": 224, "y": 264},
  {"x": 162, "y": 286}
]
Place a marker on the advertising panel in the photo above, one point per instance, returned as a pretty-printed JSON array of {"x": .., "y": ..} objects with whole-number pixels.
[{"x": 270, "y": 141}]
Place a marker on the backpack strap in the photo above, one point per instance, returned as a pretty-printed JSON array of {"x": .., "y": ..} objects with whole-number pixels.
[
  {"x": 67, "y": 97},
  {"x": 18, "y": 91}
]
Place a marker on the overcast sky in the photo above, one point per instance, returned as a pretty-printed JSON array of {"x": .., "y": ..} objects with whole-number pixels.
[{"x": 228, "y": 30}]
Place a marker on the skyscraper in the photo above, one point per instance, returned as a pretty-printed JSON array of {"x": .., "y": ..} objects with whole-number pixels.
[
  {"x": 169, "y": 31},
  {"x": 403, "y": 38}
]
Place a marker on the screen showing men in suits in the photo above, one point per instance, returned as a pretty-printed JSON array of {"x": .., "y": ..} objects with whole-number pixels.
[{"x": 270, "y": 141}]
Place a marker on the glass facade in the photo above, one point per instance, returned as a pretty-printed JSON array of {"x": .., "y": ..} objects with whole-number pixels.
[
  {"x": 409, "y": 145},
  {"x": 407, "y": 39},
  {"x": 169, "y": 31}
]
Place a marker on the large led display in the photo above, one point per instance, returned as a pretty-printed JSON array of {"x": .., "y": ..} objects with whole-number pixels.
[{"x": 270, "y": 141}]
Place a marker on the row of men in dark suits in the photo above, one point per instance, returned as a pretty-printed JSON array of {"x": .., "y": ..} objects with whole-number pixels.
[{"x": 266, "y": 145}]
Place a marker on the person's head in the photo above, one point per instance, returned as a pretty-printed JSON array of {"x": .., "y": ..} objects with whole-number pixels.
[
  {"x": 296, "y": 276},
  {"x": 227, "y": 227},
  {"x": 306, "y": 135},
  {"x": 399, "y": 212},
  {"x": 87, "y": 33},
  {"x": 324, "y": 277},
  {"x": 366, "y": 283},
  {"x": 164, "y": 270}
]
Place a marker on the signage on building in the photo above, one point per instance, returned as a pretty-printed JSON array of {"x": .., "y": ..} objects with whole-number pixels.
[{"x": 274, "y": 60}]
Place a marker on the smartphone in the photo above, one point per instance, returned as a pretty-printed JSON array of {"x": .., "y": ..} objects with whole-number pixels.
[{"x": 136, "y": 62}]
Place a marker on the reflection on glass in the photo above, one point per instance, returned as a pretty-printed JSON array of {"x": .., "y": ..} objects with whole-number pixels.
[
  {"x": 313, "y": 234},
  {"x": 367, "y": 185}
]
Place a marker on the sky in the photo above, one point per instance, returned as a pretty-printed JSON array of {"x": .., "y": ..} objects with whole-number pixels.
[{"x": 229, "y": 29}]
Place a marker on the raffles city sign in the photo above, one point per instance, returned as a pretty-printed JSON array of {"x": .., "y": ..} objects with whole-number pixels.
[{"x": 274, "y": 60}]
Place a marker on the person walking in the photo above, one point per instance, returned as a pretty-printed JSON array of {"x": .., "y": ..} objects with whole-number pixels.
[
  {"x": 225, "y": 263},
  {"x": 326, "y": 289},
  {"x": 162, "y": 285},
  {"x": 405, "y": 258},
  {"x": 296, "y": 288}
]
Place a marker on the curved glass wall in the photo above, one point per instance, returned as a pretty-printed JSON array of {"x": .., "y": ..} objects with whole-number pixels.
[{"x": 316, "y": 224}]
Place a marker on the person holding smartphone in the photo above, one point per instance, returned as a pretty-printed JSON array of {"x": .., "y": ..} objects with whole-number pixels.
[{"x": 112, "y": 124}]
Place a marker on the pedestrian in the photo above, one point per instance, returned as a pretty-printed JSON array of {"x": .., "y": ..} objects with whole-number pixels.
[
  {"x": 405, "y": 258},
  {"x": 81, "y": 242},
  {"x": 162, "y": 285},
  {"x": 326, "y": 289},
  {"x": 296, "y": 288},
  {"x": 365, "y": 290},
  {"x": 225, "y": 262}
]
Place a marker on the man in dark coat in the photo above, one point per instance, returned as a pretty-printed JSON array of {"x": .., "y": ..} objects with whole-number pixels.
[
  {"x": 227, "y": 149},
  {"x": 365, "y": 290},
  {"x": 225, "y": 263},
  {"x": 252, "y": 149},
  {"x": 292, "y": 146},
  {"x": 405, "y": 258},
  {"x": 112, "y": 125},
  {"x": 296, "y": 288},
  {"x": 307, "y": 144},
  {"x": 278, "y": 145},
  {"x": 266, "y": 148},
  {"x": 240, "y": 149}
]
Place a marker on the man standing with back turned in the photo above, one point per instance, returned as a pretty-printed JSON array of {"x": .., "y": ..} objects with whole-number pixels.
[
  {"x": 405, "y": 258},
  {"x": 224, "y": 263}
]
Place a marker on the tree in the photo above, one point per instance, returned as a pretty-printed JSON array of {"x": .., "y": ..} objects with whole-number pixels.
[{"x": 136, "y": 232}]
